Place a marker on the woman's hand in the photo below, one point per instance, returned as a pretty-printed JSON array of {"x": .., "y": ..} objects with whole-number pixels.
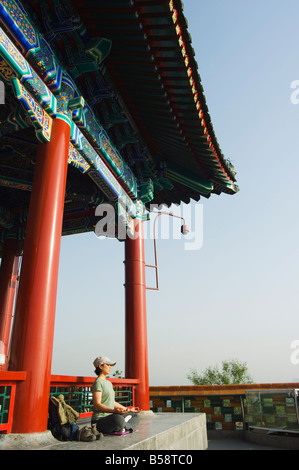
[
  {"x": 134, "y": 409},
  {"x": 119, "y": 409}
]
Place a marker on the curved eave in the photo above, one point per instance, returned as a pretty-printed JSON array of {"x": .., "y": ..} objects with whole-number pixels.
[
  {"x": 153, "y": 66},
  {"x": 174, "y": 56}
]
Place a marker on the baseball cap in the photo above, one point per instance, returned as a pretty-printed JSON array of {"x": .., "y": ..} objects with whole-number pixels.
[{"x": 103, "y": 360}]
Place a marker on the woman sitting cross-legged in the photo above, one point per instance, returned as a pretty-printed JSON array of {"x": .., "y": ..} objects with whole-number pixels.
[{"x": 108, "y": 415}]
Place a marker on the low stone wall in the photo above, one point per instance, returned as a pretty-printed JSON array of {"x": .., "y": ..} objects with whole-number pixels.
[{"x": 189, "y": 434}]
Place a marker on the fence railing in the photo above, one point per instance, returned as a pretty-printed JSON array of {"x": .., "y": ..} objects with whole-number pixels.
[
  {"x": 224, "y": 405},
  {"x": 77, "y": 391},
  {"x": 8, "y": 385}
]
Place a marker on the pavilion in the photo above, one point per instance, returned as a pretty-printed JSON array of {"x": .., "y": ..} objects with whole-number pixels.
[{"x": 103, "y": 105}]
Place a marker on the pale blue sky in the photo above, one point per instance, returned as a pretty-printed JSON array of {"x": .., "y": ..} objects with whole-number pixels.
[{"x": 236, "y": 296}]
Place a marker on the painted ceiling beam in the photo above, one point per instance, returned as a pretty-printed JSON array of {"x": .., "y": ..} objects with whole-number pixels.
[{"x": 34, "y": 46}]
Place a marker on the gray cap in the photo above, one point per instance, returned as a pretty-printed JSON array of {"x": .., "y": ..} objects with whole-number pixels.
[{"x": 101, "y": 360}]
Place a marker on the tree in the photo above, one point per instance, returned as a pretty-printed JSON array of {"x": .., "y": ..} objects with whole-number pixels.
[{"x": 233, "y": 372}]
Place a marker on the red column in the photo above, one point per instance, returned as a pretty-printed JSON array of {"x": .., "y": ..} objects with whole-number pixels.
[
  {"x": 8, "y": 282},
  {"x": 33, "y": 330},
  {"x": 136, "y": 321}
]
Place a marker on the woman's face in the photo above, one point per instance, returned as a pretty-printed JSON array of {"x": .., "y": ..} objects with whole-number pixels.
[{"x": 106, "y": 369}]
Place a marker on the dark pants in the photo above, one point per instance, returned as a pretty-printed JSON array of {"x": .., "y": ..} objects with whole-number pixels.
[{"x": 116, "y": 423}]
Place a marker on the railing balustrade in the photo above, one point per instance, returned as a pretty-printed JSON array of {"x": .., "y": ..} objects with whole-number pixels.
[
  {"x": 77, "y": 391},
  {"x": 8, "y": 385},
  {"x": 217, "y": 402}
]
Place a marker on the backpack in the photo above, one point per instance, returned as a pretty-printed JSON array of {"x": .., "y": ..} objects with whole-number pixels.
[{"x": 62, "y": 420}]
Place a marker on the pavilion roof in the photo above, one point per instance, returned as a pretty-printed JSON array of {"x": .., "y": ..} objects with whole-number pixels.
[{"x": 153, "y": 65}]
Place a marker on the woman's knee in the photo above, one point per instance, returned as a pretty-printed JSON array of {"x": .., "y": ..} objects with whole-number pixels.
[
  {"x": 111, "y": 423},
  {"x": 119, "y": 421},
  {"x": 132, "y": 420}
]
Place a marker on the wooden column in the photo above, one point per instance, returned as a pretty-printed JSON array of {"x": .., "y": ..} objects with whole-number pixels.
[
  {"x": 136, "y": 321},
  {"x": 33, "y": 330}
]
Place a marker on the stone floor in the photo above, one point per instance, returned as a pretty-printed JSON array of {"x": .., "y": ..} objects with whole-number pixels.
[{"x": 155, "y": 431}]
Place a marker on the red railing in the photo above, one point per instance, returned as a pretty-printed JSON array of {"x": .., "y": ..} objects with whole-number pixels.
[
  {"x": 7, "y": 397},
  {"x": 67, "y": 380},
  {"x": 71, "y": 386},
  {"x": 74, "y": 383}
]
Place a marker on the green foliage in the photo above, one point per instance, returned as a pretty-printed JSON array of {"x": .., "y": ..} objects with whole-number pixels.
[
  {"x": 232, "y": 372},
  {"x": 118, "y": 374}
]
